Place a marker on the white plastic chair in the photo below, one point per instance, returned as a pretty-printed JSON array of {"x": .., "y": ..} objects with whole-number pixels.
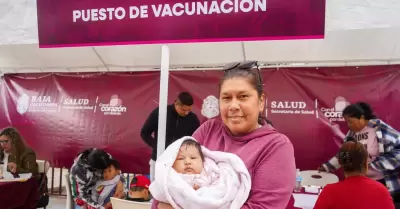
[
  {"x": 43, "y": 166},
  {"x": 70, "y": 204},
  {"x": 126, "y": 204}
]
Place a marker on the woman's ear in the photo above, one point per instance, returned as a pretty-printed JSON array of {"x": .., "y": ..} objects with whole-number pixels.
[{"x": 262, "y": 102}]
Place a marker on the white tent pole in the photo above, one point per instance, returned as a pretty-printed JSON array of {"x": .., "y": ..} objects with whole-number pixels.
[{"x": 163, "y": 101}]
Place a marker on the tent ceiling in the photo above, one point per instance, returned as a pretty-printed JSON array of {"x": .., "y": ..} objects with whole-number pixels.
[{"x": 359, "y": 30}]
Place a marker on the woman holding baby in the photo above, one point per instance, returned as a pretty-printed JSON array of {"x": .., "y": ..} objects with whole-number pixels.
[{"x": 241, "y": 130}]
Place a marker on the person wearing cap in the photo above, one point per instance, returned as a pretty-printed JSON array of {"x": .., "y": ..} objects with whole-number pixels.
[
  {"x": 86, "y": 171},
  {"x": 139, "y": 189}
]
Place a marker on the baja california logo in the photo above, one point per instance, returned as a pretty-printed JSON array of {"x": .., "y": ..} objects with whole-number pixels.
[
  {"x": 27, "y": 103},
  {"x": 114, "y": 107},
  {"x": 23, "y": 104}
]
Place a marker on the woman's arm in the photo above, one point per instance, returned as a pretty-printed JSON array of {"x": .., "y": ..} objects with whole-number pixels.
[
  {"x": 119, "y": 191},
  {"x": 274, "y": 178},
  {"x": 390, "y": 138},
  {"x": 28, "y": 164},
  {"x": 333, "y": 163}
]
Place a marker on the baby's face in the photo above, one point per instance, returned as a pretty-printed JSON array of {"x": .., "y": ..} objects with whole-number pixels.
[
  {"x": 110, "y": 172},
  {"x": 188, "y": 161}
]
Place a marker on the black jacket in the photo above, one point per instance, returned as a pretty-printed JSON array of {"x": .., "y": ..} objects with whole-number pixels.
[{"x": 177, "y": 127}]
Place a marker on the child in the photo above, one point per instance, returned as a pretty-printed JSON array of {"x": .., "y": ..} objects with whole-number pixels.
[
  {"x": 190, "y": 165},
  {"x": 139, "y": 189},
  {"x": 190, "y": 176},
  {"x": 111, "y": 186}
]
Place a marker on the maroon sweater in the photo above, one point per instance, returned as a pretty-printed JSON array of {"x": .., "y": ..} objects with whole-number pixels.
[{"x": 267, "y": 154}]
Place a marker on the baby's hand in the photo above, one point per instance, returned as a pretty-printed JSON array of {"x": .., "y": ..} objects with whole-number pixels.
[{"x": 196, "y": 187}]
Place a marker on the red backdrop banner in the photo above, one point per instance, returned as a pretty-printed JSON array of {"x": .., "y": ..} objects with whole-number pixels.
[
  {"x": 61, "y": 114},
  {"x": 105, "y": 22}
]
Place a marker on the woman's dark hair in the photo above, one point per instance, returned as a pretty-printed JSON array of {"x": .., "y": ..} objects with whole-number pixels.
[
  {"x": 350, "y": 139},
  {"x": 99, "y": 159},
  {"x": 191, "y": 142},
  {"x": 18, "y": 143},
  {"x": 359, "y": 109},
  {"x": 246, "y": 70},
  {"x": 353, "y": 157}
]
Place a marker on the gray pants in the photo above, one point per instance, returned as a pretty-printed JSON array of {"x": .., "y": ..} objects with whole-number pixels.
[{"x": 152, "y": 164}]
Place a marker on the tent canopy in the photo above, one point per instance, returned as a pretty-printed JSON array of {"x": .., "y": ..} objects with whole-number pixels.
[{"x": 357, "y": 32}]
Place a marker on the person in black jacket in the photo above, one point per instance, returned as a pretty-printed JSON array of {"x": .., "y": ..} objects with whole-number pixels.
[{"x": 180, "y": 122}]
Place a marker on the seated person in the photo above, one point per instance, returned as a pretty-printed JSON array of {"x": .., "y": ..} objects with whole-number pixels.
[
  {"x": 15, "y": 155},
  {"x": 86, "y": 171},
  {"x": 357, "y": 190},
  {"x": 139, "y": 189},
  {"x": 111, "y": 186},
  {"x": 191, "y": 176}
]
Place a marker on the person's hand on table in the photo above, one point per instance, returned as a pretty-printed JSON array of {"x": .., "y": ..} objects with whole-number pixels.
[
  {"x": 162, "y": 205},
  {"x": 12, "y": 167},
  {"x": 322, "y": 169}
]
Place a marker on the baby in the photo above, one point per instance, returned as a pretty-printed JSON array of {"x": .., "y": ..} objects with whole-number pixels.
[
  {"x": 191, "y": 176},
  {"x": 111, "y": 186},
  {"x": 190, "y": 164}
]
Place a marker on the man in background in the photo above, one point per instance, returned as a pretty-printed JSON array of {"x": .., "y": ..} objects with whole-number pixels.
[{"x": 181, "y": 121}]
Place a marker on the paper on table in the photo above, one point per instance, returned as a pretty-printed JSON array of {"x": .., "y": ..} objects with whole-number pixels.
[
  {"x": 25, "y": 175},
  {"x": 312, "y": 189},
  {"x": 22, "y": 177},
  {"x": 305, "y": 201}
]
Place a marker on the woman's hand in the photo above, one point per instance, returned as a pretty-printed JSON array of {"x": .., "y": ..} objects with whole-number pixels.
[
  {"x": 12, "y": 167},
  {"x": 322, "y": 169},
  {"x": 162, "y": 205},
  {"x": 196, "y": 187}
]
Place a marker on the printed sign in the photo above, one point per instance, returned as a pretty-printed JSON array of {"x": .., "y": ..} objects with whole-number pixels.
[{"x": 105, "y": 22}]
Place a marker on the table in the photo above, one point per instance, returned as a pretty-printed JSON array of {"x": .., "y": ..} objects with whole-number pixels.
[
  {"x": 310, "y": 203},
  {"x": 19, "y": 195}
]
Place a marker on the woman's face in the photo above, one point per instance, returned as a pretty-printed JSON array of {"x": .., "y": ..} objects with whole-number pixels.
[
  {"x": 5, "y": 143},
  {"x": 355, "y": 124},
  {"x": 240, "y": 105}
]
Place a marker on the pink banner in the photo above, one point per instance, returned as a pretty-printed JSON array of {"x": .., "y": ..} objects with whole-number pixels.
[
  {"x": 104, "y": 22},
  {"x": 61, "y": 114}
]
